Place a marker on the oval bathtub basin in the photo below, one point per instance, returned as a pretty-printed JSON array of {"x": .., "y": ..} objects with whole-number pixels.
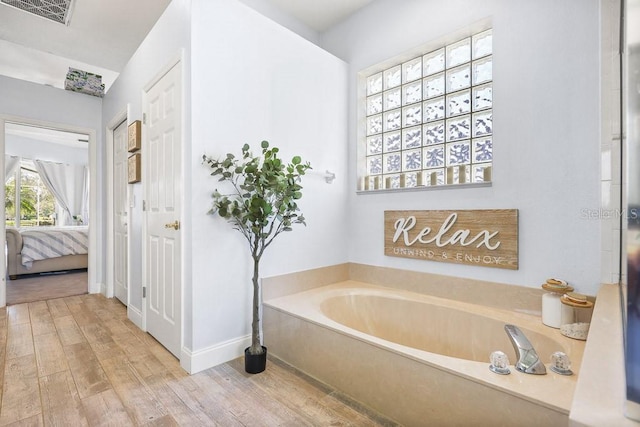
[{"x": 446, "y": 330}]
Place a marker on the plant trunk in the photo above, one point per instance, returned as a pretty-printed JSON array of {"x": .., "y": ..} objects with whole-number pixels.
[{"x": 256, "y": 345}]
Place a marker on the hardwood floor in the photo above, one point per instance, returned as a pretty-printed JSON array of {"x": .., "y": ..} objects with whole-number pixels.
[
  {"x": 46, "y": 286},
  {"x": 78, "y": 361}
]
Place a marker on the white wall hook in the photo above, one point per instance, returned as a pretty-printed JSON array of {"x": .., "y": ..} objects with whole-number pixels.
[{"x": 329, "y": 177}]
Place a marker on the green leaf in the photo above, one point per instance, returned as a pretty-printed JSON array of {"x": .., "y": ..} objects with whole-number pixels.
[{"x": 260, "y": 193}]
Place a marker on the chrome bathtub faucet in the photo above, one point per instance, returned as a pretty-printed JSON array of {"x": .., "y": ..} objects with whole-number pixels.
[{"x": 528, "y": 360}]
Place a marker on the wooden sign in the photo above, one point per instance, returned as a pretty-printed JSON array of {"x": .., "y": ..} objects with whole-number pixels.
[
  {"x": 135, "y": 136},
  {"x": 134, "y": 166},
  {"x": 487, "y": 238}
]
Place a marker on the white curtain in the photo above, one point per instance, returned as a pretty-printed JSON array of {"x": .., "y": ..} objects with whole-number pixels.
[
  {"x": 85, "y": 195},
  {"x": 68, "y": 185},
  {"x": 11, "y": 163}
]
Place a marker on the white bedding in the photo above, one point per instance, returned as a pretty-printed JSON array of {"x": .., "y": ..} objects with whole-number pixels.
[{"x": 42, "y": 243}]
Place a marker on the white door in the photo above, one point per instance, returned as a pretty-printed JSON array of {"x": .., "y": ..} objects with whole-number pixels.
[
  {"x": 120, "y": 229},
  {"x": 162, "y": 182}
]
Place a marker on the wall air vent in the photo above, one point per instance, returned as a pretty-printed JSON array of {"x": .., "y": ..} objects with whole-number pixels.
[{"x": 54, "y": 10}]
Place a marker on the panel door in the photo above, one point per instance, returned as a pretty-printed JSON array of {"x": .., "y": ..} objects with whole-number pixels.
[{"x": 163, "y": 186}]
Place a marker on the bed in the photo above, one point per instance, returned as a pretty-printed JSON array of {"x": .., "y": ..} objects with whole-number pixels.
[{"x": 46, "y": 249}]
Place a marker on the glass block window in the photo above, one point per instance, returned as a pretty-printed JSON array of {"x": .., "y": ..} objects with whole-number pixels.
[{"x": 429, "y": 120}]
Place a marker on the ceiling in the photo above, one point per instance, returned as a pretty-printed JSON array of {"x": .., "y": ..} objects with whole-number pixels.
[
  {"x": 320, "y": 15},
  {"x": 69, "y": 139},
  {"x": 102, "y": 35}
]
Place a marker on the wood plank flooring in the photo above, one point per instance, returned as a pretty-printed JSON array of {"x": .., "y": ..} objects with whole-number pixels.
[
  {"x": 78, "y": 361},
  {"x": 40, "y": 287}
]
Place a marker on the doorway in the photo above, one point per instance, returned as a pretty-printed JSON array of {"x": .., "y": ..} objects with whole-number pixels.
[
  {"x": 120, "y": 214},
  {"x": 65, "y": 168}
]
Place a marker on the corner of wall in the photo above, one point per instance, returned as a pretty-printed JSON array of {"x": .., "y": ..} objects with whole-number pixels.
[{"x": 199, "y": 360}]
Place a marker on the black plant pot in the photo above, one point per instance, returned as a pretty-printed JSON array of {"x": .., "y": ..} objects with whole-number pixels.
[{"x": 255, "y": 363}]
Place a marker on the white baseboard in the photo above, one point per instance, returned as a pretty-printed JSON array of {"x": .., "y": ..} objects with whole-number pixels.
[
  {"x": 98, "y": 288},
  {"x": 135, "y": 316},
  {"x": 199, "y": 360}
]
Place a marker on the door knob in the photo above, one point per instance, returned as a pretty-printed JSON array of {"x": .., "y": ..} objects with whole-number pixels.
[{"x": 175, "y": 225}]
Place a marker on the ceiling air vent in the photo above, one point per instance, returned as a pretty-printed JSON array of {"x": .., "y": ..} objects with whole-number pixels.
[{"x": 54, "y": 10}]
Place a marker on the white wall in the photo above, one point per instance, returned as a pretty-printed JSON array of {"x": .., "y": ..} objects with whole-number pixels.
[
  {"x": 56, "y": 106},
  {"x": 546, "y": 130},
  {"x": 38, "y": 102},
  {"x": 254, "y": 80},
  {"x": 164, "y": 43},
  {"x": 41, "y": 150}
]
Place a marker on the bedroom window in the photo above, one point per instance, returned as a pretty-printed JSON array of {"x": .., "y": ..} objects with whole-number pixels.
[
  {"x": 36, "y": 206},
  {"x": 427, "y": 120}
]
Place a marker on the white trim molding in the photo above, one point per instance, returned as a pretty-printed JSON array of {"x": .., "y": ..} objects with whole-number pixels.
[
  {"x": 95, "y": 267},
  {"x": 199, "y": 360},
  {"x": 135, "y": 315}
]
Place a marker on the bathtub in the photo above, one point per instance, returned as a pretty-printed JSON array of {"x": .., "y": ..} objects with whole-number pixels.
[{"x": 418, "y": 359}]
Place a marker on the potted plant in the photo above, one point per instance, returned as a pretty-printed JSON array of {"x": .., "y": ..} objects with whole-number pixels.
[{"x": 261, "y": 204}]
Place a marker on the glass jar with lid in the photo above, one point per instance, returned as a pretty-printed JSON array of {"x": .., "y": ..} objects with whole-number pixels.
[
  {"x": 576, "y": 311},
  {"x": 552, "y": 307}
]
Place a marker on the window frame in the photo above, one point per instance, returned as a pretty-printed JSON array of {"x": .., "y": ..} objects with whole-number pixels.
[
  {"x": 362, "y": 155},
  {"x": 27, "y": 165}
]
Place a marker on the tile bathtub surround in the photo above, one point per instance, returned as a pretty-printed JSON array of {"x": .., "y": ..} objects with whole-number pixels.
[
  {"x": 611, "y": 153},
  {"x": 600, "y": 386},
  {"x": 286, "y": 284},
  {"x": 401, "y": 392},
  {"x": 600, "y": 390},
  {"x": 497, "y": 295},
  {"x": 432, "y": 385}
]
